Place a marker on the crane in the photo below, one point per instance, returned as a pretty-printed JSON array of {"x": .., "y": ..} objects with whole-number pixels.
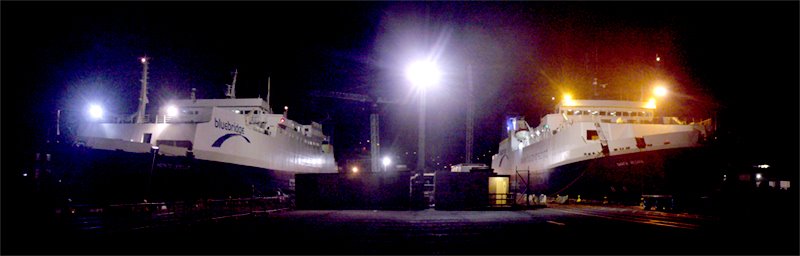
[{"x": 374, "y": 128}]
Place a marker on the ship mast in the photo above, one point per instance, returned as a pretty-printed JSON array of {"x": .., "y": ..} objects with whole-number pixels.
[
  {"x": 231, "y": 93},
  {"x": 143, "y": 93},
  {"x": 268, "y": 90}
]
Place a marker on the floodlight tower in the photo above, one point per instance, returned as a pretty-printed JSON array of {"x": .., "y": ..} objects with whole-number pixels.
[{"x": 422, "y": 74}]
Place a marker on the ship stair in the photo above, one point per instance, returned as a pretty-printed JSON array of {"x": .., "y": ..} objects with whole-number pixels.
[{"x": 603, "y": 138}]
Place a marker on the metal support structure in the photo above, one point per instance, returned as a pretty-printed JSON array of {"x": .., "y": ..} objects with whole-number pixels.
[
  {"x": 374, "y": 139},
  {"x": 374, "y": 120},
  {"x": 231, "y": 93},
  {"x": 143, "y": 93},
  {"x": 527, "y": 185},
  {"x": 149, "y": 191},
  {"x": 470, "y": 114},
  {"x": 528, "y": 189},
  {"x": 421, "y": 136},
  {"x": 58, "y": 124}
]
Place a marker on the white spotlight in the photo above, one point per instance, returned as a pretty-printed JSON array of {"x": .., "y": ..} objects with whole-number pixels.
[
  {"x": 386, "y": 161},
  {"x": 95, "y": 111},
  {"x": 423, "y": 74},
  {"x": 172, "y": 111}
]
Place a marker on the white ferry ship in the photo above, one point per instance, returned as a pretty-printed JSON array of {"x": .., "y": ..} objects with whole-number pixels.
[
  {"x": 599, "y": 148},
  {"x": 197, "y": 148}
]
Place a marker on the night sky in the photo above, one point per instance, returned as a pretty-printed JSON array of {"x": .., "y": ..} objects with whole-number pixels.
[{"x": 735, "y": 60}]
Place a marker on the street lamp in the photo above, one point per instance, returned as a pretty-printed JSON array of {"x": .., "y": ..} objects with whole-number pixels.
[{"x": 422, "y": 74}]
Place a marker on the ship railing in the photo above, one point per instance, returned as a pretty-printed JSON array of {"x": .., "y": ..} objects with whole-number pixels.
[
  {"x": 157, "y": 119},
  {"x": 130, "y": 119},
  {"x": 669, "y": 120},
  {"x": 119, "y": 119}
]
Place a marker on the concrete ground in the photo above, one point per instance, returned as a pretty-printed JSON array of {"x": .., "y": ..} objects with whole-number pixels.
[{"x": 557, "y": 229}]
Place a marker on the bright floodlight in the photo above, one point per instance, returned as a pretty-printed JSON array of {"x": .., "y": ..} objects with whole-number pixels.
[
  {"x": 660, "y": 91},
  {"x": 172, "y": 111},
  {"x": 423, "y": 74},
  {"x": 95, "y": 111},
  {"x": 144, "y": 60},
  {"x": 651, "y": 103},
  {"x": 355, "y": 169},
  {"x": 568, "y": 100},
  {"x": 386, "y": 161}
]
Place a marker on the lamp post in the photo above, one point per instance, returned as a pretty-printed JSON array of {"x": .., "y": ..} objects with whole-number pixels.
[{"x": 422, "y": 74}]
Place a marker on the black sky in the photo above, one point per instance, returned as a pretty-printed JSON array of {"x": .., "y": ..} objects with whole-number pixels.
[{"x": 737, "y": 59}]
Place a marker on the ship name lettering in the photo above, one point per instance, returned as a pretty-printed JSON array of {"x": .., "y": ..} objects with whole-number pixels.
[{"x": 228, "y": 126}]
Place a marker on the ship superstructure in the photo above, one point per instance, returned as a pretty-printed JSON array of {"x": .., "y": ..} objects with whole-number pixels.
[{"x": 599, "y": 146}]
